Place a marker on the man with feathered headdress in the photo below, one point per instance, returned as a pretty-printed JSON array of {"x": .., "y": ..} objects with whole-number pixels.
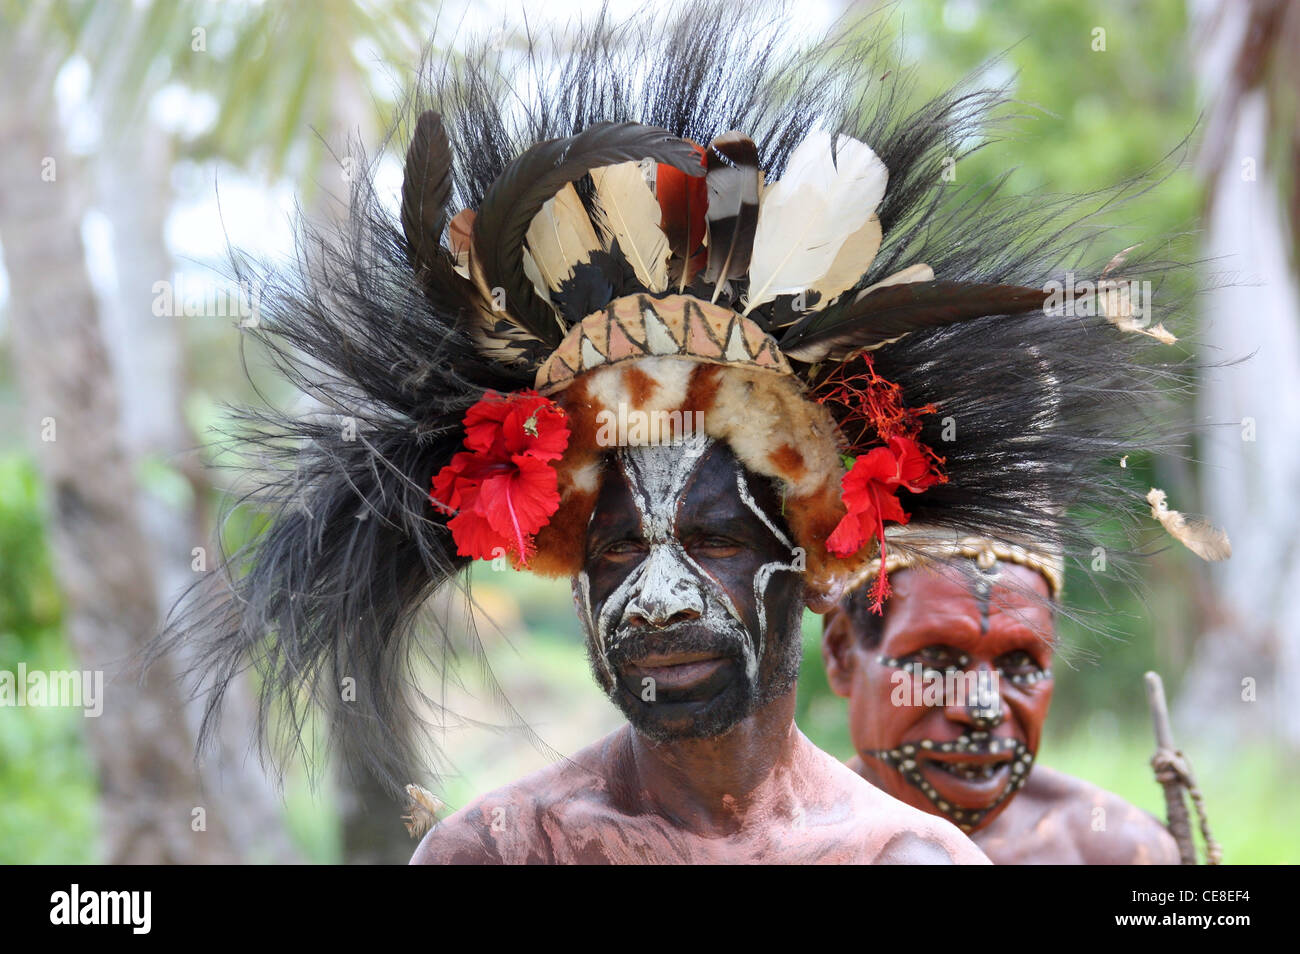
[{"x": 686, "y": 321}]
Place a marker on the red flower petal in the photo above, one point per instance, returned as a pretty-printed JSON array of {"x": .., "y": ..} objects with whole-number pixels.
[
  {"x": 915, "y": 471},
  {"x": 448, "y": 483},
  {"x": 521, "y": 502},
  {"x": 553, "y": 434},
  {"x": 889, "y": 508},
  {"x": 501, "y": 485},
  {"x": 849, "y": 536},
  {"x": 475, "y": 537},
  {"x": 873, "y": 468},
  {"x": 483, "y": 424}
]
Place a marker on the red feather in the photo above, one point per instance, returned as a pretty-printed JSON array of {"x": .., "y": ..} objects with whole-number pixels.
[{"x": 684, "y": 202}]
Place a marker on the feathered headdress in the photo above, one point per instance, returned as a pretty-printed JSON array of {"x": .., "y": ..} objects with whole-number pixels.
[{"x": 677, "y": 221}]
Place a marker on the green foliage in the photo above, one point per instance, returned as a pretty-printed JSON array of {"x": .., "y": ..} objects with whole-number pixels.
[
  {"x": 29, "y": 598},
  {"x": 47, "y": 781}
]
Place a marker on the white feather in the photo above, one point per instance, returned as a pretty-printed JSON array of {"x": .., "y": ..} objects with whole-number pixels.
[
  {"x": 853, "y": 259},
  {"x": 806, "y": 218},
  {"x": 631, "y": 214},
  {"x": 560, "y": 237},
  {"x": 905, "y": 276}
]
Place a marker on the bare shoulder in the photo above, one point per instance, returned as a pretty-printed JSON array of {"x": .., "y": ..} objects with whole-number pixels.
[
  {"x": 509, "y": 825},
  {"x": 1106, "y": 829},
  {"x": 891, "y": 832}
]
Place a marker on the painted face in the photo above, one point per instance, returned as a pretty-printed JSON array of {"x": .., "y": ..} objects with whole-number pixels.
[
  {"x": 690, "y": 594},
  {"x": 946, "y": 712}
]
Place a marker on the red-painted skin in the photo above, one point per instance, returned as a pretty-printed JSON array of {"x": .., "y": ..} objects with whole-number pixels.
[
  {"x": 758, "y": 791},
  {"x": 1054, "y": 818}
]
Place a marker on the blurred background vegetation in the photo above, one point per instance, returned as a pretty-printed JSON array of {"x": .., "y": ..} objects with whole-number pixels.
[{"x": 265, "y": 114}]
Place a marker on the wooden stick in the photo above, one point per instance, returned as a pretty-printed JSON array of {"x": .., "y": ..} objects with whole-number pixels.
[{"x": 1180, "y": 825}]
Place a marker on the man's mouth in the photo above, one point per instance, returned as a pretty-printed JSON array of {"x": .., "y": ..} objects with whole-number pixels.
[
  {"x": 676, "y": 670},
  {"x": 972, "y": 771},
  {"x": 966, "y": 778}
]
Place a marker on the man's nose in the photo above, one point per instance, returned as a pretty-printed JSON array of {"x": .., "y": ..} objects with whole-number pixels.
[
  {"x": 980, "y": 704},
  {"x": 667, "y": 594},
  {"x": 660, "y": 615}
]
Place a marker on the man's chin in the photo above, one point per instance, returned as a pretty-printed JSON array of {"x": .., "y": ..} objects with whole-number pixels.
[
  {"x": 971, "y": 804},
  {"x": 657, "y": 727},
  {"x": 702, "y": 710}
]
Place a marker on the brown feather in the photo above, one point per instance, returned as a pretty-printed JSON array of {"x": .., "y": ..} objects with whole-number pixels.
[
  {"x": 1200, "y": 536},
  {"x": 422, "y": 809},
  {"x": 733, "y": 205},
  {"x": 525, "y": 185}
]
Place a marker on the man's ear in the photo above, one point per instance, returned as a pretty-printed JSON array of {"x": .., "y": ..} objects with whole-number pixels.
[
  {"x": 575, "y": 587},
  {"x": 838, "y": 644},
  {"x": 822, "y": 596}
]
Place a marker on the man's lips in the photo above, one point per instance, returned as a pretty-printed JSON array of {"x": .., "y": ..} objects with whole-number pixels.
[
  {"x": 969, "y": 783},
  {"x": 971, "y": 758},
  {"x": 964, "y": 778},
  {"x": 969, "y": 772},
  {"x": 676, "y": 670}
]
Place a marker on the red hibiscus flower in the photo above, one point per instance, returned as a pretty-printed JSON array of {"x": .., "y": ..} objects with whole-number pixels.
[
  {"x": 502, "y": 488},
  {"x": 871, "y": 497}
]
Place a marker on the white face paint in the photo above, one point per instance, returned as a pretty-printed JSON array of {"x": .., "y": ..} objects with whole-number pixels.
[
  {"x": 764, "y": 573},
  {"x": 669, "y": 583}
]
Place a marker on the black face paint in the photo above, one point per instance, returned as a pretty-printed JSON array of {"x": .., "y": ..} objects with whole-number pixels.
[{"x": 687, "y": 555}]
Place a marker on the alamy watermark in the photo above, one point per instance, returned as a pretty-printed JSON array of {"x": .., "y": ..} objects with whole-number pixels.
[
  {"x": 203, "y": 298},
  {"x": 1114, "y": 298},
  {"x": 917, "y": 685},
  {"x": 53, "y": 689},
  {"x": 631, "y": 427}
]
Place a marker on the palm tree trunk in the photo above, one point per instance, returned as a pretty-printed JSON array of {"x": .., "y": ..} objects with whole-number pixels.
[
  {"x": 149, "y": 796},
  {"x": 1246, "y": 667},
  {"x": 148, "y": 355}
]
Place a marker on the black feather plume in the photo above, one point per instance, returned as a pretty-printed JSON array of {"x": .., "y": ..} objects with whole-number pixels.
[
  {"x": 426, "y": 190},
  {"x": 892, "y": 311}
]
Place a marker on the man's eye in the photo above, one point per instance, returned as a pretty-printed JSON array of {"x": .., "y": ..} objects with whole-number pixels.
[
  {"x": 1017, "y": 662},
  {"x": 622, "y": 550},
  {"x": 939, "y": 657},
  {"x": 716, "y": 546}
]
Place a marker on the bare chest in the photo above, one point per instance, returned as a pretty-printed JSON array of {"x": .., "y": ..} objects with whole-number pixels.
[
  {"x": 1029, "y": 834},
  {"x": 596, "y": 834}
]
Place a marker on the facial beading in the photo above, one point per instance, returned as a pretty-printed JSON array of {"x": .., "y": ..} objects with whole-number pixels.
[
  {"x": 977, "y": 743},
  {"x": 986, "y": 714}
]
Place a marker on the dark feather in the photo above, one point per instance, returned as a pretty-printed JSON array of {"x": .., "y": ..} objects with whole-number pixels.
[
  {"x": 888, "y": 313},
  {"x": 426, "y": 190},
  {"x": 595, "y": 284},
  {"x": 529, "y": 181},
  {"x": 733, "y": 205}
]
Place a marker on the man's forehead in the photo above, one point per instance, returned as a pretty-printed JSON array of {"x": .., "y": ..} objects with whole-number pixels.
[
  {"x": 659, "y": 474},
  {"x": 658, "y": 487},
  {"x": 969, "y": 611}
]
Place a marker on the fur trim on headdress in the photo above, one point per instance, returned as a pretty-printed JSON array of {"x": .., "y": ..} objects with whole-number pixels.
[{"x": 762, "y": 416}]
